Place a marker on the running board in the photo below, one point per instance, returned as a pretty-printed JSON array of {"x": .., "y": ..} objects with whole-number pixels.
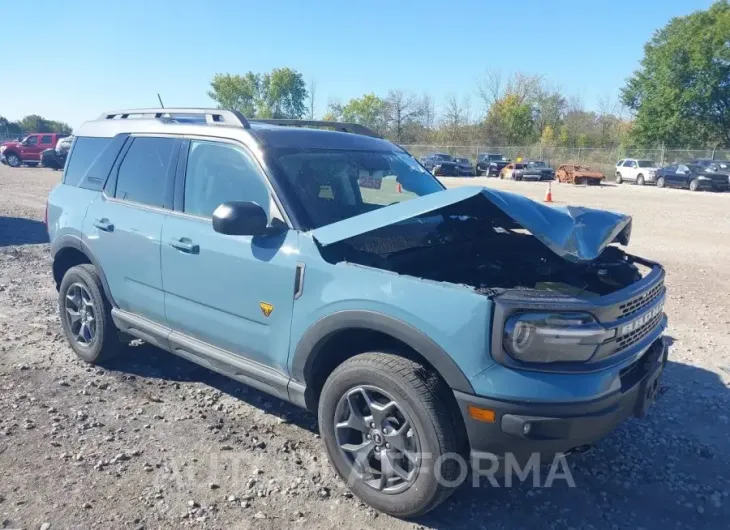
[{"x": 219, "y": 360}]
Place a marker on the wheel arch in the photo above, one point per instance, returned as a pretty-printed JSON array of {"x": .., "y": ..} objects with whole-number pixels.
[
  {"x": 344, "y": 334},
  {"x": 68, "y": 251}
]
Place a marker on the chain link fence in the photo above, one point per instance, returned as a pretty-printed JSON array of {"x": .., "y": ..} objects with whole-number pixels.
[{"x": 601, "y": 158}]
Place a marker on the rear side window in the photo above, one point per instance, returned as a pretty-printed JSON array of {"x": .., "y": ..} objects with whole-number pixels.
[
  {"x": 143, "y": 172},
  {"x": 47, "y": 140},
  {"x": 85, "y": 151}
]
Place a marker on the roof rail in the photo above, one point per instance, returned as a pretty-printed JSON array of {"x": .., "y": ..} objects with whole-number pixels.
[
  {"x": 354, "y": 128},
  {"x": 212, "y": 116}
]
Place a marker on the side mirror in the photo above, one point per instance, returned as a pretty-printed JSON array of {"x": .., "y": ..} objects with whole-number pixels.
[{"x": 240, "y": 218}]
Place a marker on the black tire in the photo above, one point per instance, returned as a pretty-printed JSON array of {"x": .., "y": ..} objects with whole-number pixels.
[
  {"x": 694, "y": 185},
  {"x": 660, "y": 182},
  {"x": 13, "y": 160},
  {"x": 640, "y": 180},
  {"x": 422, "y": 397},
  {"x": 619, "y": 178},
  {"x": 105, "y": 343}
]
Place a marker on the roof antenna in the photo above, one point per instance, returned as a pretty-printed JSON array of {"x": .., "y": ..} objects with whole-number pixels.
[{"x": 161, "y": 103}]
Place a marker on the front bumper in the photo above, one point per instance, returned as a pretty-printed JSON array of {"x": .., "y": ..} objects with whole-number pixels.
[
  {"x": 446, "y": 171},
  {"x": 524, "y": 428},
  {"x": 3, "y": 160}
]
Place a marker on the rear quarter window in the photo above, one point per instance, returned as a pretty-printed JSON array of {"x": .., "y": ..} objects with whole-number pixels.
[{"x": 86, "y": 150}]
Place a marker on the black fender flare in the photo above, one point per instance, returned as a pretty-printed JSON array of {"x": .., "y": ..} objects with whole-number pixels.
[
  {"x": 306, "y": 352},
  {"x": 72, "y": 241}
]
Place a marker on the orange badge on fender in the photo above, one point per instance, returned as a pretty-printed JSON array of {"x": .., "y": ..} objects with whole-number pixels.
[{"x": 266, "y": 309}]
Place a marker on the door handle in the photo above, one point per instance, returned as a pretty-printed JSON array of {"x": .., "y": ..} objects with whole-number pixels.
[
  {"x": 104, "y": 224},
  {"x": 185, "y": 245}
]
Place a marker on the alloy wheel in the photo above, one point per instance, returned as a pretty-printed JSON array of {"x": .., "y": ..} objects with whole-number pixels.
[
  {"x": 377, "y": 439},
  {"x": 80, "y": 314}
]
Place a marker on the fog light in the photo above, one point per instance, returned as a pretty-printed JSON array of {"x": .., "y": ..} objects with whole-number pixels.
[
  {"x": 526, "y": 428},
  {"x": 480, "y": 414}
]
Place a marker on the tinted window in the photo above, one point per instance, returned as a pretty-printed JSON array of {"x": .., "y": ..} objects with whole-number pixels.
[
  {"x": 646, "y": 163},
  {"x": 85, "y": 151},
  {"x": 144, "y": 169},
  {"x": 218, "y": 173},
  {"x": 47, "y": 140},
  {"x": 629, "y": 163}
]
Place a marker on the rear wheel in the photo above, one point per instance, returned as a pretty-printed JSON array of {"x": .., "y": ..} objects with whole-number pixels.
[
  {"x": 640, "y": 180},
  {"x": 660, "y": 183},
  {"x": 86, "y": 315},
  {"x": 694, "y": 185},
  {"x": 386, "y": 422}
]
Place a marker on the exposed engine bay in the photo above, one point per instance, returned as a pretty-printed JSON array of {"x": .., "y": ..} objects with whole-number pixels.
[{"x": 488, "y": 252}]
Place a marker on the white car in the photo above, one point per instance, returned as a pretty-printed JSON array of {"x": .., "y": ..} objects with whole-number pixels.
[{"x": 636, "y": 170}]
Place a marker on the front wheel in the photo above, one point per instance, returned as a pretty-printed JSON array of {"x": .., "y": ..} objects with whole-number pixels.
[
  {"x": 660, "y": 183},
  {"x": 13, "y": 160},
  {"x": 694, "y": 185},
  {"x": 619, "y": 178},
  {"x": 390, "y": 433},
  {"x": 640, "y": 180}
]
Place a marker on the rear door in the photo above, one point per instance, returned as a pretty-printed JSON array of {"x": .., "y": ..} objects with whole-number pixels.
[
  {"x": 123, "y": 225},
  {"x": 233, "y": 292},
  {"x": 45, "y": 142}
]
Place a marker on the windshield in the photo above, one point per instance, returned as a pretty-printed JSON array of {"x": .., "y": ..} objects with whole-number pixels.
[
  {"x": 496, "y": 157},
  {"x": 537, "y": 163},
  {"x": 331, "y": 185},
  {"x": 646, "y": 163},
  {"x": 443, "y": 157},
  {"x": 462, "y": 160}
]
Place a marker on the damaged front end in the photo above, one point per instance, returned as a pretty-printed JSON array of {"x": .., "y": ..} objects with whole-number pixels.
[{"x": 563, "y": 291}]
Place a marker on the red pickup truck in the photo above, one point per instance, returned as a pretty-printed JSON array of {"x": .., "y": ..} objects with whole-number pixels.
[{"x": 28, "y": 150}]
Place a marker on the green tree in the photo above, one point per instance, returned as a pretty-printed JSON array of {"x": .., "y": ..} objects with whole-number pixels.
[
  {"x": 35, "y": 123},
  {"x": 283, "y": 94},
  {"x": 368, "y": 110},
  {"x": 236, "y": 92},
  {"x": 280, "y": 93},
  {"x": 512, "y": 117},
  {"x": 681, "y": 92}
]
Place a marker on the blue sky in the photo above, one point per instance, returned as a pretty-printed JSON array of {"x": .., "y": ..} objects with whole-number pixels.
[{"x": 73, "y": 60}]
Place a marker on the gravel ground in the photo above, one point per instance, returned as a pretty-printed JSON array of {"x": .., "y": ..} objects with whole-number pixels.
[{"x": 152, "y": 441}]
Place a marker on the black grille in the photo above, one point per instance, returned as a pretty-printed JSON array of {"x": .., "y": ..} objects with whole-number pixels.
[
  {"x": 639, "y": 333},
  {"x": 635, "y": 305}
]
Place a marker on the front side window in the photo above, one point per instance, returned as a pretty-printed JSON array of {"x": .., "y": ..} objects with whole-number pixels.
[
  {"x": 217, "y": 173},
  {"x": 331, "y": 185},
  {"x": 31, "y": 140},
  {"x": 144, "y": 170}
]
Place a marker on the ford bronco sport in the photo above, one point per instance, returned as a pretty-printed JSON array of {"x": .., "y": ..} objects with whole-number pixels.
[{"x": 330, "y": 269}]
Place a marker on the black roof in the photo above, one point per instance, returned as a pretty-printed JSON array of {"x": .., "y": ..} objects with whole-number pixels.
[{"x": 308, "y": 138}]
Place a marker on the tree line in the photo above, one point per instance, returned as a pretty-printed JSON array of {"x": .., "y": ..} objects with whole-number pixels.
[
  {"x": 678, "y": 97},
  {"x": 31, "y": 124}
]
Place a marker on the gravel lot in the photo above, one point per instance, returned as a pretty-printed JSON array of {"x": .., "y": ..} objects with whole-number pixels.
[{"x": 152, "y": 441}]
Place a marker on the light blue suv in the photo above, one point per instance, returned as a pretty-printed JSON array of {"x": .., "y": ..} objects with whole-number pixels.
[{"x": 330, "y": 269}]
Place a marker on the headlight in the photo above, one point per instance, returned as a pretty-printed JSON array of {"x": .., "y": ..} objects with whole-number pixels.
[
  {"x": 3, "y": 148},
  {"x": 702, "y": 177},
  {"x": 493, "y": 164},
  {"x": 553, "y": 337}
]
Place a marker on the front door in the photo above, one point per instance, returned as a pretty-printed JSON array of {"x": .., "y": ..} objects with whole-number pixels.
[{"x": 232, "y": 292}]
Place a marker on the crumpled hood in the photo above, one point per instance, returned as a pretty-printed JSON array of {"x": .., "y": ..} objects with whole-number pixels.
[{"x": 575, "y": 233}]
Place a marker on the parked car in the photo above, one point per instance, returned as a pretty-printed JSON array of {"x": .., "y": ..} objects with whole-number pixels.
[
  {"x": 512, "y": 171},
  {"x": 693, "y": 177},
  {"x": 461, "y": 321},
  {"x": 716, "y": 166},
  {"x": 51, "y": 159},
  {"x": 56, "y": 158},
  {"x": 537, "y": 170},
  {"x": 490, "y": 164},
  {"x": 441, "y": 164},
  {"x": 636, "y": 170},
  {"x": 28, "y": 150},
  {"x": 466, "y": 169},
  {"x": 579, "y": 174}
]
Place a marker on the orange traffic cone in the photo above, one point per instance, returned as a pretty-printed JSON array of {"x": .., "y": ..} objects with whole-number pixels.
[{"x": 549, "y": 193}]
